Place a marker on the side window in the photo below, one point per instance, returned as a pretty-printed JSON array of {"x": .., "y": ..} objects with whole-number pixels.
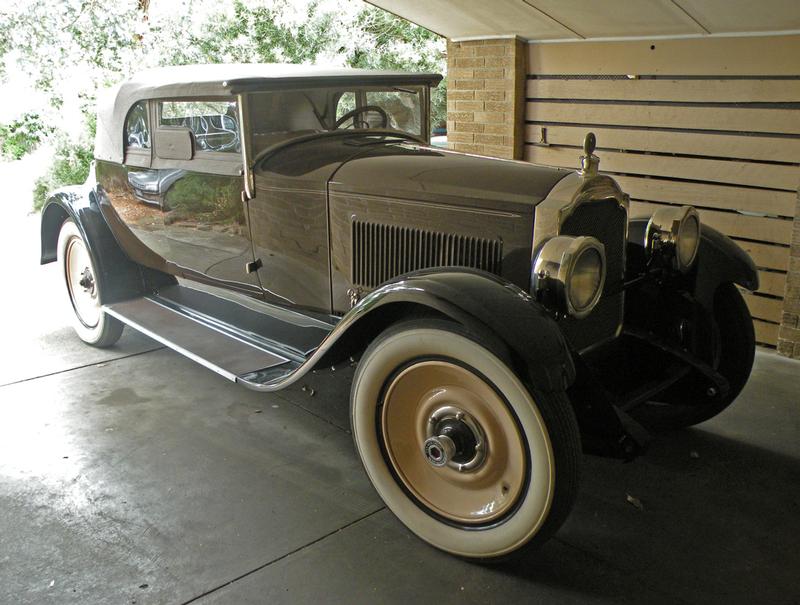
[
  {"x": 215, "y": 124},
  {"x": 137, "y": 129}
]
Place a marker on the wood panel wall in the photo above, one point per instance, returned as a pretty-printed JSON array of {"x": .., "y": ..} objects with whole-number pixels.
[{"x": 722, "y": 136}]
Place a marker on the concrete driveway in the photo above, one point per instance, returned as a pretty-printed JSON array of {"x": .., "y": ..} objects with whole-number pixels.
[{"x": 132, "y": 475}]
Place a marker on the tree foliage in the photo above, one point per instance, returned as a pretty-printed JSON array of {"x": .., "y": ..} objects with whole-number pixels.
[
  {"x": 398, "y": 44},
  {"x": 22, "y": 135},
  {"x": 69, "y": 53}
]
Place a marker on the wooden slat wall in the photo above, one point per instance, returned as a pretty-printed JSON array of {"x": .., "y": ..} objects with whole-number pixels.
[{"x": 726, "y": 143}]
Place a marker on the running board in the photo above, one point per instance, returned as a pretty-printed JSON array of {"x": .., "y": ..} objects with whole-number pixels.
[{"x": 223, "y": 351}]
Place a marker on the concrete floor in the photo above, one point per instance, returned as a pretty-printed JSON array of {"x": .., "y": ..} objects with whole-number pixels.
[{"x": 132, "y": 475}]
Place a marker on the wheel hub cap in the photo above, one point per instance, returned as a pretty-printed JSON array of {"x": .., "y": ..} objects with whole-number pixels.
[
  {"x": 87, "y": 280},
  {"x": 439, "y": 450},
  {"x": 453, "y": 442},
  {"x": 455, "y": 439},
  {"x": 81, "y": 283}
]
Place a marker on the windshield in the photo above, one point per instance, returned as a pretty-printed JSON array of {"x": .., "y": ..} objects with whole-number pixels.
[{"x": 280, "y": 115}]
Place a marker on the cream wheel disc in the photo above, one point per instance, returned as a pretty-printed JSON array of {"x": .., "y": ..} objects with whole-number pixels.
[
  {"x": 84, "y": 288},
  {"x": 474, "y": 467},
  {"x": 81, "y": 282}
]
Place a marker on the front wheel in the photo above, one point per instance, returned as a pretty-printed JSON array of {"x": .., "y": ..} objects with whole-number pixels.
[
  {"x": 729, "y": 348},
  {"x": 458, "y": 447},
  {"x": 83, "y": 285}
]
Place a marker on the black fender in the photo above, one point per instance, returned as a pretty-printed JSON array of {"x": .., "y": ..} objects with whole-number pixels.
[
  {"x": 122, "y": 279},
  {"x": 719, "y": 260},
  {"x": 497, "y": 311}
]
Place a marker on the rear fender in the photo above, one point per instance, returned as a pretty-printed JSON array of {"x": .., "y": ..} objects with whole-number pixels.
[{"x": 121, "y": 277}]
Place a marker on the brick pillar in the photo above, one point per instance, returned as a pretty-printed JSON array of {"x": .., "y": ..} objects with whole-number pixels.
[
  {"x": 789, "y": 334},
  {"x": 486, "y": 96}
]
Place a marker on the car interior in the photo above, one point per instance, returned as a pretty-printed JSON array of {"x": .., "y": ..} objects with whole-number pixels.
[{"x": 278, "y": 116}]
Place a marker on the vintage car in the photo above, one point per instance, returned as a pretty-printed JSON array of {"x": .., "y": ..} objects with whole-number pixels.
[{"x": 505, "y": 317}]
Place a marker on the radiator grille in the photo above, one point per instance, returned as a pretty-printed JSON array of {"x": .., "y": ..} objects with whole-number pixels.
[
  {"x": 381, "y": 252},
  {"x": 606, "y": 221}
]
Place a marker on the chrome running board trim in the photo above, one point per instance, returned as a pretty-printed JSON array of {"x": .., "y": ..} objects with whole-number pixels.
[{"x": 223, "y": 353}]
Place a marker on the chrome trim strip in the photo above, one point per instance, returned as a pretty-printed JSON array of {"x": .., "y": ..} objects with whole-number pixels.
[
  {"x": 287, "y": 315},
  {"x": 214, "y": 326},
  {"x": 280, "y": 359},
  {"x": 364, "y": 307},
  {"x": 244, "y": 138},
  {"x": 569, "y": 193},
  {"x": 553, "y": 269},
  {"x": 164, "y": 341}
]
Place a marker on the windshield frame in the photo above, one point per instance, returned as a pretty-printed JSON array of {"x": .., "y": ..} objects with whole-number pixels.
[{"x": 328, "y": 111}]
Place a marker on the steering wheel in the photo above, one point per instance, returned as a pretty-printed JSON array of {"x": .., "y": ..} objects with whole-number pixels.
[{"x": 359, "y": 110}]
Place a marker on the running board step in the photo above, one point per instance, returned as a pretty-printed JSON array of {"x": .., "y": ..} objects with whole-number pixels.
[{"x": 223, "y": 352}]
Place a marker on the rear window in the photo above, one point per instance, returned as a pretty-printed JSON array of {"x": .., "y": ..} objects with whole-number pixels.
[
  {"x": 215, "y": 124},
  {"x": 137, "y": 130}
]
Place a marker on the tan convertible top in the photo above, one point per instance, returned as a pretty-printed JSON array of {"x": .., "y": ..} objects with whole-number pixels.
[{"x": 223, "y": 80}]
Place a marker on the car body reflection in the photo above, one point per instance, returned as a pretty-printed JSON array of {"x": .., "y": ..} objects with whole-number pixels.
[{"x": 151, "y": 186}]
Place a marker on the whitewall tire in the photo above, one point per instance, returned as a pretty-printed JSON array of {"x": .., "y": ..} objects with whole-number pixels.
[
  {"x": 84, "y": 290},
  {"x": 456, "y": 444}
]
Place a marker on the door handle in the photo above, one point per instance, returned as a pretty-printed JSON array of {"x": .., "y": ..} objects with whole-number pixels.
[{"x": 253, "y": 266}]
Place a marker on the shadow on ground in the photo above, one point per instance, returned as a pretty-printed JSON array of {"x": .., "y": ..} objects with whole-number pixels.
[{"x": 714, "y": 526}]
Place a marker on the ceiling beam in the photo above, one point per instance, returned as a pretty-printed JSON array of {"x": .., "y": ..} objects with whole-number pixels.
[
  {"x": 691, "y": 18},
  {"x": 547, "y": 25},
  {"x": 553, "y": 20}
]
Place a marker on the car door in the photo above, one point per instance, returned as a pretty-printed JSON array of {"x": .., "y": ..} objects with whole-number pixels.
[
  {"x": 179, "y": 194},
  {"x": 289, "y": 213}
]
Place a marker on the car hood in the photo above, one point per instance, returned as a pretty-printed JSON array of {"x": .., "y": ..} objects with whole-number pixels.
[{"x": 414, "y": 171}]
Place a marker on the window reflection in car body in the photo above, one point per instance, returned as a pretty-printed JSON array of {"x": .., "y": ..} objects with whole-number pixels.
[
  {"x": 184, "y": 217},
  {"x": 190, "y": 211}
]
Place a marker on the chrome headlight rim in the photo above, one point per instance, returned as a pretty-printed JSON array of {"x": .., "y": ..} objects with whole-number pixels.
[
  {"x": 554, "y": 269},
  {"x": 667, "y": 229}
]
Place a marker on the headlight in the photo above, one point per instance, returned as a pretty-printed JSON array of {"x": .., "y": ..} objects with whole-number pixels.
[
  {"x": 569, "y": 274},
  {"x": 674, "y": 234}
]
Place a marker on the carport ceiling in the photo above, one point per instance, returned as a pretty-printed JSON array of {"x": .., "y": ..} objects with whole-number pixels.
[{"x": 537, "y": 20}]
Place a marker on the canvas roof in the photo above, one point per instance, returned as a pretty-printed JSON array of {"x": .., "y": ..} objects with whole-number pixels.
[{"x": 224, "y": 80}]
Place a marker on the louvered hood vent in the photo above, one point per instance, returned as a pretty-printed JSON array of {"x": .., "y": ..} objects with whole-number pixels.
[{"x": 381, "y": 252}]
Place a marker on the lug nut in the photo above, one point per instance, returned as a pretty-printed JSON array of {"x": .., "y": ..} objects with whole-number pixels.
[{"x": 439, "y": 450}]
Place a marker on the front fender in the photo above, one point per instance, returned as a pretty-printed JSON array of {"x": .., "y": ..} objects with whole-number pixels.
[
  {"x": 719, "y": 260},
  {"x": 121, "y": 277},
  {"x": 495, "y": 310}
]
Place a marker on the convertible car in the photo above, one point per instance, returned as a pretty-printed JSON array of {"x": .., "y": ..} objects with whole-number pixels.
[{"x": 505, "y": 317}]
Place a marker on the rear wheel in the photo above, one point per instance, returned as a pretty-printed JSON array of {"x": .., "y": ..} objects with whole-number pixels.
[
  {"x": 729, "y": 348},
  {"x": 458, "y": 447},
  {"x": 84, "y": 289}
]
